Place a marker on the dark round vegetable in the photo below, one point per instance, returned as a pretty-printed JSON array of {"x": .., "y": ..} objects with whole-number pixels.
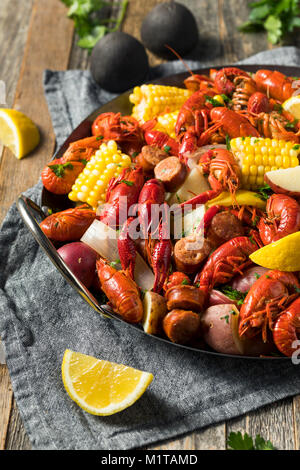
[
  {"x": 169, "y": 23},
  {"x": 81, "y": 259},
  {"x": 119, "y": 62}
]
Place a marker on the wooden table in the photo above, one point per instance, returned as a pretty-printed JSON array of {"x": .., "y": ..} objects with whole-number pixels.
[{"x": 35, "y": 35}]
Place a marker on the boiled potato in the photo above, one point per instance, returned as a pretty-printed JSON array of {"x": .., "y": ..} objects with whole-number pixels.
[
  {"x": 194, "y": 184},
  {"x": 155, "y": 309}
]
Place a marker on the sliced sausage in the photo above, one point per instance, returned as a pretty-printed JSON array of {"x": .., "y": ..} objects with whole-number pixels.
[
  {"x": 149, "y": 157},
  {"x": 223, "y": 227},
  {"x": 185, "y": 297},
  {"x": 172, "y": 172},
  {"x": 188, "y": 256},
  {"x": 181, "y": 326}
]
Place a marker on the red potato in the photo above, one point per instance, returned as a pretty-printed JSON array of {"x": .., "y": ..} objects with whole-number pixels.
[
  {"x": 243, "y": 282},
  {"x": 285, "y": 181},
  {"x": 220, "y": 331},
  {"x": 217, "y": 328},
  {"x": 81, "y": 259}
]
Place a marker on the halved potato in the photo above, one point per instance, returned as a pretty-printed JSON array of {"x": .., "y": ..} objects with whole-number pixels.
[
  {"x": 284, "y": 181},
  {"x": 155, "y": 309}
]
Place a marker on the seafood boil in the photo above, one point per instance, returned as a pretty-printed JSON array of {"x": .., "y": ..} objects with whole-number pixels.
[{"x": 184, "y": 204}]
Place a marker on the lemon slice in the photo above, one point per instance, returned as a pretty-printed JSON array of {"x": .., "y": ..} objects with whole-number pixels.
[
  {"x": 18, "y": 132},
  {"x": 283, "y": 254},
  {"x": 102, "y": 387},
  {"x": 292, "y": 105}
]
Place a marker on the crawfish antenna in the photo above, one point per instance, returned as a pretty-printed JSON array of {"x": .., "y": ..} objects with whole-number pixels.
[{"x": 180, "y": 58}]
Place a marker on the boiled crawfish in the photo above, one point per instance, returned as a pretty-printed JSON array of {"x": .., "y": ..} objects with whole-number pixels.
[
  {"x": 282, "y": 219},
  {"x": 223, "y": 172},
  {"x": 265, "y": 301},
  {"x": 121, "y": 291},
  {"x": 159, "y": 138},
  {"x": 193, "y": 120},
  {"x": 286, "y": 331},
  {"x": 275, "y": 84},
  {"x": 125, "y": 130},
  {"x": 229, "y": 123},
  {"x": 68, "y": 225},
  {"x": 227, "y": 260},
  {"x": 122, "y": 194}
]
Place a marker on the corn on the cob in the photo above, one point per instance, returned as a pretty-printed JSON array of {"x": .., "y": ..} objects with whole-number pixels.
[
  {"x": 91, "y": 184},
  {"x": 166, "y": 123},
  {"x": 257, "y": 156},
  {"x": 151, "y": 100}
]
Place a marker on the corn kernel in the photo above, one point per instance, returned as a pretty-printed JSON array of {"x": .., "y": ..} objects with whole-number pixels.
[{"x": 90, "y": 185}]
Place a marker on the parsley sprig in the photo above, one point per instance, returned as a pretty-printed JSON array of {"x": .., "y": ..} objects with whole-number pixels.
[
  {"x": 237, "y": 441},
  {"x": 276, "y": 17},
  {"x": 90, "y": 23},
  {"x": 233, "y": 294}
]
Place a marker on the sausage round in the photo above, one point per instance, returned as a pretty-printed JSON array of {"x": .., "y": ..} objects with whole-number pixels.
[
  {"x": 185, "y": 297},
  {"x": 171, "y": 172},
  {"x": 223, "y": 227},
  {"x": 188, "y": 259},
  {"x": 181, "y": 326},
  {"x": 149, "y": 157}
]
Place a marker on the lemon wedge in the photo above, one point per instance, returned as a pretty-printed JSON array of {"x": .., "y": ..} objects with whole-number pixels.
[
  {"x": 18, "y": 132},
  {"x": 242, "y": 196},
  {"x": 102, "y": 387},
  {"x": 283, "y": 254},
  {"x": 292, "y": 105}
]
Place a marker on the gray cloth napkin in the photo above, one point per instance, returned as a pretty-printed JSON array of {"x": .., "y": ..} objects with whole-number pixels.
[{"x": 41, "y": 316}]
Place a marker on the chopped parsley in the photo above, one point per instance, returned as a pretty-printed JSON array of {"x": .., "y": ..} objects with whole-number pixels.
[
  {"x": 226, "y": 318},
  {"x": 228, "y": 142},
  {"x": 59, "y": 169},
  {"x": 167, "y": 148},
  {"x": 233, "y": 294},
  {"x": 185, "y": 282},
  {"x": 265, "y": 192},
  {"x": 129, "y": 183},
  {"x": 213, "y": 101},
  {"x": 113, "y": 264}
]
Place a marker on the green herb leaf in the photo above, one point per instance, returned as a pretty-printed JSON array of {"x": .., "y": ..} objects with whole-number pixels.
[
  {"x": 265, "y": 192},
  {"x": 238, "y": 442},
  {"x": 89, "y": 25},
  {"x": 276, "y": 17},
  {"x": 129, "y": 183},
  {"x": 59, "y": 169},
  {"x": 226, "y": 318},
  {"x": 233, "y": 294},
  {"x": 167, "y": 148},
  {"x": 185, "y": 282},
  {"x": 228, "y": 142},
  {"x": 214, "y": 102}
]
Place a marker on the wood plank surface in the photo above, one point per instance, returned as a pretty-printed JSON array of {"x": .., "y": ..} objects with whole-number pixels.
[
  {"x": 50, "y": 43},
  {"x": 48, "y": 30}
]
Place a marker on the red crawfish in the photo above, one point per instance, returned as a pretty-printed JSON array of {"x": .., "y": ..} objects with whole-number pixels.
[
  {"x": 286, "y": 332},
  {"x": 125, "y": 130},
  {"x": 223, "y": 172},
  {"x": 159, "y": 138},
  {"x": 68, "y": 225},
  {"x": 192, "y": 121},
  {"x": 122, "y": 194},
  {"x": 226, "y": 261},
  {"x": 282, "y": 218},
  {"x": 265, "y": 301},
  {"x": 121, "y": 291}
]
